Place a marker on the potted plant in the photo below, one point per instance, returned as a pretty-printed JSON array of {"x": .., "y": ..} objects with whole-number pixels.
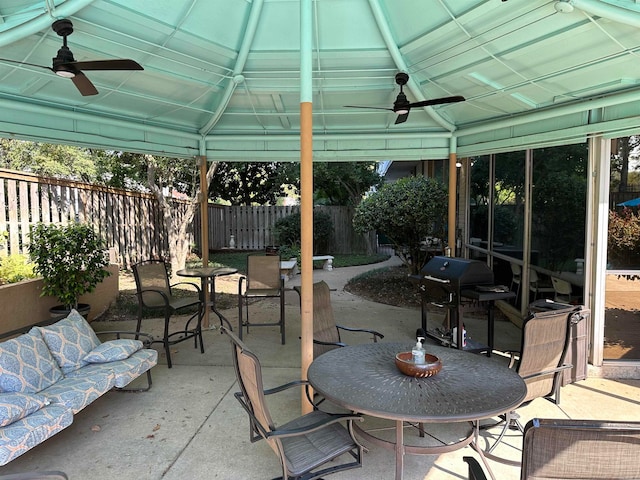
[{"x": 71, "y": 260}]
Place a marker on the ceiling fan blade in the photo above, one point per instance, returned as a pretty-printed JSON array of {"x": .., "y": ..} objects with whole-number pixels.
[
  {"x": 116, "y": 64},
  {"x": 402, "y": 118},
  {"x": 17, "y": 62},
  {"x": 84, "y": 85},
  {"x": 371, "y": 108},
  {"x": 437, "y": 101}
]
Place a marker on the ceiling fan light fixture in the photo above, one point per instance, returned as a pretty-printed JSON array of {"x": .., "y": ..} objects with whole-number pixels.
[
  {"x": 563, "y": 6},
  {"x": 65, "y": 71},
  {"x": 402, "y": 111}
]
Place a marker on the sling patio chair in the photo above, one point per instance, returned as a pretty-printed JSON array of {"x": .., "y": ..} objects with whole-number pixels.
[
  {"x": 579, "y": 449},
  {"x": 544, "y": 342},
  {"x": 154, "y": 292},
  {"x": 326, "y": 333},
  {"x": 308, "y": 446},
  {"x": 263, "y": 280}
]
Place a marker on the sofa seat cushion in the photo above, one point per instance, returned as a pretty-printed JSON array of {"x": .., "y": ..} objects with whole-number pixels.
[
  {"x": 26, "y": 364},
  {"x": 69, "y": 341},
  {"x": 20, "y": 436},
  {"x": 16, "y": 405},
  {"x": 113, "y": 350},
  {"x": 125, "y": 370},
  {"x": 79, "y": 391}
]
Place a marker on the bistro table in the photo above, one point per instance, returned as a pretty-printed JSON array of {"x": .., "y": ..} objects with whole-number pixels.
[
  {"x": 207, "y": 277},
  {"x": 364, "y": 379}
]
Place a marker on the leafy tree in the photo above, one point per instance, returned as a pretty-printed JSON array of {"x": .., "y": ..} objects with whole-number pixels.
[
  {"x": 344, "y": 183},
  {"x": 48, "y": 160},
  {"x": 164, "y": 174},
  {"x": 247, "y": 183},
  {"x": 559, "y": 203},
  {"x": 407, "y": 212},
  {"x": 620, "y": 161}
]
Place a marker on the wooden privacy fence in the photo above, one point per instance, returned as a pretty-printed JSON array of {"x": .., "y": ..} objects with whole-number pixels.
[
  {"x": 618, "y": 197},
  {"x": 253, "y": 228},
  {"x": 130, "y": 222}
]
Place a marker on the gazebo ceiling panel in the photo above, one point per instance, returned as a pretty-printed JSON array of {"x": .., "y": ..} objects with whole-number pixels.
[{"x": 220, "y": 68}]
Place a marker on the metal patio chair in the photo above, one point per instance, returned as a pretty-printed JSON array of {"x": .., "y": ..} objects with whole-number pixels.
[
  {"x": 580, "y": 449},
  {"x": 326, "y": 333},
  {"x": 155, "y": 292},
  {"x": 544, "y": 342},
  {"x": 263, "y": 280},
  {"x": 308, "y": 446}
]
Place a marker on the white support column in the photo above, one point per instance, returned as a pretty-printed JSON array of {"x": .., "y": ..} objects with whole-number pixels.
[{"x": 598, "y": 231}]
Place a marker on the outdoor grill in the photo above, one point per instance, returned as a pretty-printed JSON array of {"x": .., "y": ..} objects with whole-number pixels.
[{"x": 441, "y": 282}]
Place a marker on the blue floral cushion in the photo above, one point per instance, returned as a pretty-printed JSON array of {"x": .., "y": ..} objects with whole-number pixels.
[
  {"x": 15, "y": 406},
  {"x": 70, "y": 340},
  {"x": 113, "y": 350},
  {"x": 26, "y": 364}
]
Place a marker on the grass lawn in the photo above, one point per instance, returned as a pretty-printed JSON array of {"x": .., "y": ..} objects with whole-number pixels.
[{"x": 238, "y": 260}]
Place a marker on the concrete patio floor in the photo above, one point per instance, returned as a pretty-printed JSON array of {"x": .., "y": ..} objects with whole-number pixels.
[{"x": 189, "y": 425}]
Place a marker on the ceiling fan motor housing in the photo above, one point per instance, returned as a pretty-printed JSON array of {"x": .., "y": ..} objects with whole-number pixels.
[
  {"x": 64, "y": 28},
  {"x": 401, "y": 105}
]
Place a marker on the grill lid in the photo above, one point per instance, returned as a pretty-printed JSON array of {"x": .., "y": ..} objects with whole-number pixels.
[{"x": 457, "y": 271}]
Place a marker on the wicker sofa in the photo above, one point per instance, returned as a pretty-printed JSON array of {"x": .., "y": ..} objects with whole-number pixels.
[{"x": 50, "y": 373}]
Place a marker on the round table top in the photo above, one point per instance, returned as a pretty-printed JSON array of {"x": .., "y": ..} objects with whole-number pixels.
[
  {"x": 206, "y": 272},
  {"x": 364, "y": 379}
]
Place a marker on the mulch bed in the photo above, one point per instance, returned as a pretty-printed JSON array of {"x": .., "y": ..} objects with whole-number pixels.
[{"x": 389, "y": 286}]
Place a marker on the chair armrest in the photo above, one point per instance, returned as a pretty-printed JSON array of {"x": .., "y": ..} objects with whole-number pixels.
[
  {"x": 475, "y": 470},
  {"x": 547, "y": 372},
  {"x": 376, "y": 335},
  {"x": 147, "y": 339},
  {"x": 241, "y": 280},
  {"x": 328, "y": 420},
  {"x": 295, "y": 383},
  {"x": 337, "y": 344},
  {"x": 197, "y": 287},
  {"x": 286, "y": 386}
]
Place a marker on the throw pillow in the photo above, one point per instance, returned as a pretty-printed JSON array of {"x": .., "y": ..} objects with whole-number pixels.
[
  {"x": 26, "y": 364},
  {"x": 15, "y": 406},
  {"x": 70, "y": 340},
  {"x": 113, "y": 350}
]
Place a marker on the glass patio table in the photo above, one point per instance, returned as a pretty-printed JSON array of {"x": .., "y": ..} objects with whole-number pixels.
[
  {"x": 207, "y": 277},
  {"x": 365, "y": 379}
]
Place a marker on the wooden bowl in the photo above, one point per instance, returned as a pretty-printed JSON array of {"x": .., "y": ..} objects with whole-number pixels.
[{"x": 430, "y": 368}]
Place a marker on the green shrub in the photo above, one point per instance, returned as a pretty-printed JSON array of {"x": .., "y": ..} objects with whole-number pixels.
[
  {"x": 624, "y": 239},
  {"x": 70, "y": 259},
  {"x": 287, "y": 231},
  {"x": 15, "y": 268},
  {"x": 290, "y": 251},
  {"x": 406, "y": 211}
]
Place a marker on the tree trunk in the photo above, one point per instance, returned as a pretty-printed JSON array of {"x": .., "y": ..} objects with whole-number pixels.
[
  {"x": 624, "y": 150},
  {"x": 176, "y": 227}
]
